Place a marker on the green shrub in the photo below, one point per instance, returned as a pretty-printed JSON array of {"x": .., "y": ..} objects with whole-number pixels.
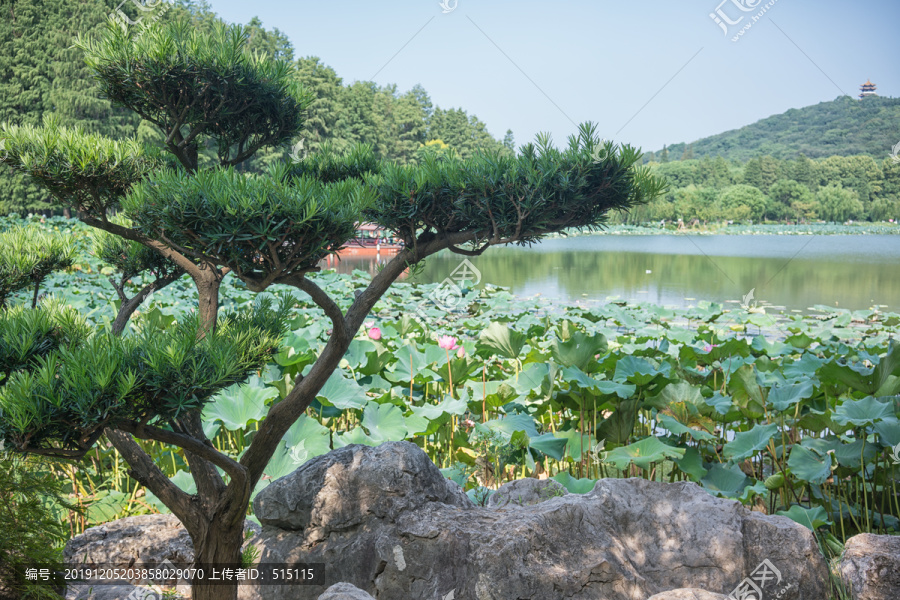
[{"x": 31, "y": 535}]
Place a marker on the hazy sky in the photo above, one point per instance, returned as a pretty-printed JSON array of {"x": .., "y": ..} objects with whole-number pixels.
[{"x": 648, "y": 72}]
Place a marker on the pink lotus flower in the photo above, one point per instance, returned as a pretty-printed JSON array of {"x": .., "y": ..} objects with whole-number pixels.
[
  {"x": 375, "y": 333},
  {"x": 709, "y": 347},
  {"x": 461, "y": 352},
  {"x": 447, "y": 342}
]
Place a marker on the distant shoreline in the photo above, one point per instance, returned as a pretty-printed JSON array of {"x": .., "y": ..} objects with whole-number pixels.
[{"x": 763, "y": 229}]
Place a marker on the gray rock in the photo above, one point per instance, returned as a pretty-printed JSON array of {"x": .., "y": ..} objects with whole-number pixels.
[
  {"x": 526, "y": 492},
  {"x": 791, "y": 551},
  {"x": 345, "y": 591},
  {"x": 149, "y": 538},
  {"x": 386, "y": 521},
  {"x": 341, "y": 490},
  {"x": 112, "y": 592},
  {"x": 143, "y": 539},
  {"x": 870, "y": 566},
  {"x": 688, "y": 594}
]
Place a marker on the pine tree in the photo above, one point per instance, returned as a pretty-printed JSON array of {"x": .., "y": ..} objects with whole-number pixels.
[
  {"x": 211, "y": 221},
  {"x": 324, "y": 111},
  {"x": 509, "y": 141}
]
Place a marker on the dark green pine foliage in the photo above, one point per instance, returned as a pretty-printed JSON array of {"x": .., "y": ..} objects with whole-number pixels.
[
  {"x": 464, "y": 133},
  {"x": 27, "y": 257},
  {"x": 40, "y": 73},
  {"x": 324, "y": 110},
  {"x": 272, "y": 228}
]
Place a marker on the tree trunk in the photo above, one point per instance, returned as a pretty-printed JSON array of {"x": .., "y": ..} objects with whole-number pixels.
[
  {"x": 208, "y": 299},
  {"x": 217, "y": 546}
]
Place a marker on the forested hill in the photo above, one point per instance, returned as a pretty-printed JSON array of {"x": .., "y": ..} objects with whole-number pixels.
[
  {"x": 41, "y": 73},
  {"x": 843, "y": 127}
]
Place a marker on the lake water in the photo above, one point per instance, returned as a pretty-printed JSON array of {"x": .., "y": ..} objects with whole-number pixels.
[{"x": 790, "y": 271}]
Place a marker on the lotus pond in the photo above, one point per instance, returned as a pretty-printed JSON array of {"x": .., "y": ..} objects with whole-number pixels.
[{"x": 787, "y": 413}]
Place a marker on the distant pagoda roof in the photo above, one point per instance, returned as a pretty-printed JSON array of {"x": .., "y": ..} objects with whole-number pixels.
[{"x": 867, "y": 89}]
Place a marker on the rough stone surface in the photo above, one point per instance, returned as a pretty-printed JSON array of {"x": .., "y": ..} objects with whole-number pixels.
[
  {"x": 870, "y": 566},
  {"x": 347, "y": 487},
  {"x": 345, "y": 591},
  {"x": 111, "y": 592},
  {"x": 688, "y": 594},
  {"x": 526, "y": 492},
  {"x": 143, "y": 539},
  {"x": 385, "y": 520},
  {"x": 149, "y": 538}
]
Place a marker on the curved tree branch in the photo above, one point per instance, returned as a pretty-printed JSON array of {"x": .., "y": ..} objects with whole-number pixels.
[
  {"x": 283, "y": 414},
  {"x": 205, "y": 450},
  {"x": 129, "y": 305},
  {"x": 190, "y": 267},
  {"x": 323, "y": 301},
  {"x": 145, "y": 471}
]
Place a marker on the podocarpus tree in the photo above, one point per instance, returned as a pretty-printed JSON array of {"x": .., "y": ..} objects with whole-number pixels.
[{"x": 212, "y": 221}]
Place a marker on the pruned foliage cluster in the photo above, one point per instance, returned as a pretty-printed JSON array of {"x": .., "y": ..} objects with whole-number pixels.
[
  {"x": 513, "y": 199},
  {"x": 64, "y": 398},
  {"x": 84, "y": 171},
  {"x": 261, "y": 227},
  {"x": 328, "y": 164},
  {"x": 27, "y": 256},
  {"x": 27, "y": 335},
  {"x": 192, "y": 85}
]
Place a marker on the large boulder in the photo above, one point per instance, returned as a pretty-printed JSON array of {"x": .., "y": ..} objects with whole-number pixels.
[
  {"x": 152, "y": 539},
  {"x": 113, "y": 592},
  {"x": 345, "y": 591},
  {"x": 870, "y": 566},
  {"x": 346, "y": 488},
  {"x": 148, "y": 538},
  {"x": 688, "y": 594},
  {"x": 387, "y": 521}
]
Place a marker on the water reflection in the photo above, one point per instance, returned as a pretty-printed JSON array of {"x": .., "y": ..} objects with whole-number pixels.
[{"x": 796, "y": 272}]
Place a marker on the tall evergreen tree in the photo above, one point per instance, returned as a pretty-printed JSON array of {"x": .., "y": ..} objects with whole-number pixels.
[
  {"x": 324, "y": 111},
  {"x": 410, "y": 122},
  {"x": 264, "y": 230},
  {"x": 762, "y": 172}
]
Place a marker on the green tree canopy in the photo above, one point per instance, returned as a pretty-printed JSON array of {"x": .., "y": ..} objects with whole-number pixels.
[
  {"x": 838, "y": 204},
  {"x": 210, "y": 220},
  {"x": 746, "y": 197}
]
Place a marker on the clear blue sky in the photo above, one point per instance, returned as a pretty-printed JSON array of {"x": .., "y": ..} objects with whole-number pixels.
[{"x": 649, "y": 72}]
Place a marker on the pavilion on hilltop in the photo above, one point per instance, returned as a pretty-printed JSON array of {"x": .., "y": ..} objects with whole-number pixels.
[{"x": 867, "y": 89}]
